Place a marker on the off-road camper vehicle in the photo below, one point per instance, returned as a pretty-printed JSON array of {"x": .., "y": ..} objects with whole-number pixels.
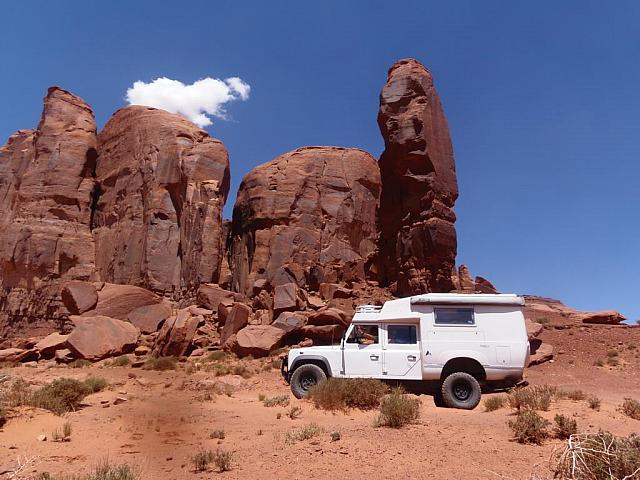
[{"x": 458, "y": 340}]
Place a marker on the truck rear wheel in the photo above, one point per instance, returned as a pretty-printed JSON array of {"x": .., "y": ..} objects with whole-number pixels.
[
  {"x": 305, "y": 377},
  {"x": 461, "y": 390}
]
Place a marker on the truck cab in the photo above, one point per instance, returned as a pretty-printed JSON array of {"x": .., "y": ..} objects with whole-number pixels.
[{"x": 459, "y": 340}]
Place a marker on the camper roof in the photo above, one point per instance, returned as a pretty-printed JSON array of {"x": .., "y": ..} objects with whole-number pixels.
[{"x": 467, "y": 299}]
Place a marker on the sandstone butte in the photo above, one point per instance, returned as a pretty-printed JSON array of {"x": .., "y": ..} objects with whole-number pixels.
[{"x": 121, "y": 231}]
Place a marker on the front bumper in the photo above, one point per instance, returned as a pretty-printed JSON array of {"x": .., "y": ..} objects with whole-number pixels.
[{"x": 284, "y": 367}]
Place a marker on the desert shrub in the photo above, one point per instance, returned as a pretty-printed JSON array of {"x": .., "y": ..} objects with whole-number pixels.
[
  {"x": 242, "y": 370},
  {"x": 342, "y": 394},
  {"x": 103, "y": 471},
  {"x": 121, "y": 361},
  {"x": 564, "y": 426},
  {"x": 529, "y": 427},
  {"x": 537, "y": 397},
  {"x": 599, "y": 456},
  {"x": 598, "y": 363},
  {"x": 398, "y": 409},
  {"x": 218, "y": 369},
  {"x": 294, "y": 412},
  {"x": 219, "y": 434},
  {"x": 3, "y": 416},
  {"x": 335, "y": 436},
  {"x": 66, "y": 429},
  {"x": 223, "y": 460},
  {"x": 60, "y": 396},
  {"x": 612, "y": 353},
  {"x": 631, "y": 408},
  {"x": 594, "y": 402},
  {"x": 160, "y": 363},
  {"x": 6, "y": 364},
  {"x": 95, "y": 384},
  {"x": 79, "y": 363},
  {"x": 277, "y": 401},
  {"x": 576, "y": 395},
  {"x": 18, "y": 393},
  {"x": 494, "y": 403},
  {"x": 201, "y": 460},
  {"x": 217, "y": 356},
  {"x": 261, "y": 397},
  {"x": 304, "y": 433}
]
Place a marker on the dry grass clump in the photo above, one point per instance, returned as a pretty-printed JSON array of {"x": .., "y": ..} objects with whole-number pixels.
[
  {"x": 219, "y": 434},
  {"x": 62, "y": 435},
  {"x": 304, "y": 433},
  {"x": 594, "y": 402},
  {"x": 345, "y": 393},
  {"x": 631, "y": 408},
  {"x": 494, "y": 403},
  {"x": 277, "y": 401},
  {"x": 201, "y": 460},
  {"x": 398, "y": 409},
  {"x": 160, "y": 363},
  {"x": 529, "y": 427},
  {"x": 537, "y": 397},
  {"x": 564, "y": 426},
  {"x": 121, "y": 361},
  {"x": 294, "y": 412},
  {"x": 575, "y": 395},
  {"x": 103, "y": 471},
  {"x": 599, "y": 456},
  {"x": 80, "y": 363},
  {"x": 223, "y": 460},
  {"x": 3, "y": 416}
]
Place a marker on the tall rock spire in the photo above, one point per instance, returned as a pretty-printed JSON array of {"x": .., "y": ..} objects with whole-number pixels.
[{"x": 419, "y": 187}]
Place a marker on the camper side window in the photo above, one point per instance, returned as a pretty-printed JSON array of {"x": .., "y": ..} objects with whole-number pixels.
[{"x": 454, "y": 316}]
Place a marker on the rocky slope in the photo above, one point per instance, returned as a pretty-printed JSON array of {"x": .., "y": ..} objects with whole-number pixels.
[{"x": 115, "y": 241}]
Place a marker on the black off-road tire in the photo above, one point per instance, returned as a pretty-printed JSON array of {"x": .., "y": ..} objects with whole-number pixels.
[
  {"x": 304, "y": 377},
  {"x": 461, "y": 390}
]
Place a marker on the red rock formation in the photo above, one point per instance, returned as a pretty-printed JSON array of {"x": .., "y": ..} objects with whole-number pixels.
[
  {"x": 162, "y": 183},
  {"x": 306, "y": 217},
  {"x": 419, "y": 187},
  {"x": 46, "y": 185}
]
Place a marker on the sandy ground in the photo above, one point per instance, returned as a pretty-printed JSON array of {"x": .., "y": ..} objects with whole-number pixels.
[{"x": 167, "y": 417}]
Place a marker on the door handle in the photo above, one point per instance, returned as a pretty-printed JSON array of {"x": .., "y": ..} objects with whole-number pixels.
[
  {"x": 411, "y": 358},
  {"x": 374, "y": 357}
]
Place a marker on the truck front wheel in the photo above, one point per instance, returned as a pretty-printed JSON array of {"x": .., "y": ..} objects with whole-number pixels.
[
  {"x": 305, "y": 377},
  {"x": 461, "y": 390}
]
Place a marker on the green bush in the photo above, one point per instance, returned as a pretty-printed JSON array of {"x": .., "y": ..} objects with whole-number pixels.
[
  {"x": 564, "y": 426},
  {"x": 494, "y": 403},
  {"x": 529, "y": 427},
  {"x": 160, "y": 363},
  {"x": 60, "y": 396},
  {"x": 398, "y": 409},
  {"x": 345, "y": 393}
]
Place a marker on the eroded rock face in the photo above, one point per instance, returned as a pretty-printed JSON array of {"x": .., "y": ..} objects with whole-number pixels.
[
  {"x": 419, "y": 188},
  {"x": 306, "y": 217},
  {"x": 46, "y": 185},
  {"x": 163, "y": 183}
]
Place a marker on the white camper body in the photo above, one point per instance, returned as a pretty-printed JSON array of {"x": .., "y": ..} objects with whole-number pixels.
[{"x": 425, "y": 337}]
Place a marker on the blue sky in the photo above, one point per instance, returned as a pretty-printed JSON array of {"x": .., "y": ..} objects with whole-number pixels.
[{"x": 542, "y": 100}]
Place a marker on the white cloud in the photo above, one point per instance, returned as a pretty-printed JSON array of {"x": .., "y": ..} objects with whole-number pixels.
[{"x": 198, "y": 101}]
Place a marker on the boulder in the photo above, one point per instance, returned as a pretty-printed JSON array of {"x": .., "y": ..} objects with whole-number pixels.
[
  {"x": 289, "y": 321},
  {"x": 418, "y": 238},
  {"x": 306, "y": 216},
  {"x": 607, "y": 317},
  {"x": 48, "y": 345},
  {"x": 176, "y": 334},
  {"x": 64, "y": 356},
  {"x": 323, "y": 333},
  {"x": 238, "y": 318},
  {"x": 329, "y": 291},
  {"x": 148, "y": 318},
  {"x": 543, "y": 353},
  {"x": 255, "y": 340},
  {"x": 15, "y": 354},
  {"x": 315, "y": 302},
  {"x": 533, "y": 329},
  {"x": 79, "y": 296},
  {"x": 163, "y": 183},
  {"x": 285, "y": 298},
  {"x": 211, "y": 295},
  {"x": 328, "y": 316},
  {"x": 118, "y": 301},
  {"x": 97, "y": 337}
]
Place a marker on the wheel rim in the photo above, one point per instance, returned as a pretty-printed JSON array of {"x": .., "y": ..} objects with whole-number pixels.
[
  {"x": 462, "y": 390},
  {"x": 307, "y": 382}
]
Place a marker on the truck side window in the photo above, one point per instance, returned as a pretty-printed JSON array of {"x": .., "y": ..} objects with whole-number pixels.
[
  {"x": 454, "y": 316},
  {"x": 364, "y": 335},
  {"x": 402, "y": 334}
]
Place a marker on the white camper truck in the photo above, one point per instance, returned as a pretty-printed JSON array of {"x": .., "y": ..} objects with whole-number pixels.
[{"x": 458, "y": 340}]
